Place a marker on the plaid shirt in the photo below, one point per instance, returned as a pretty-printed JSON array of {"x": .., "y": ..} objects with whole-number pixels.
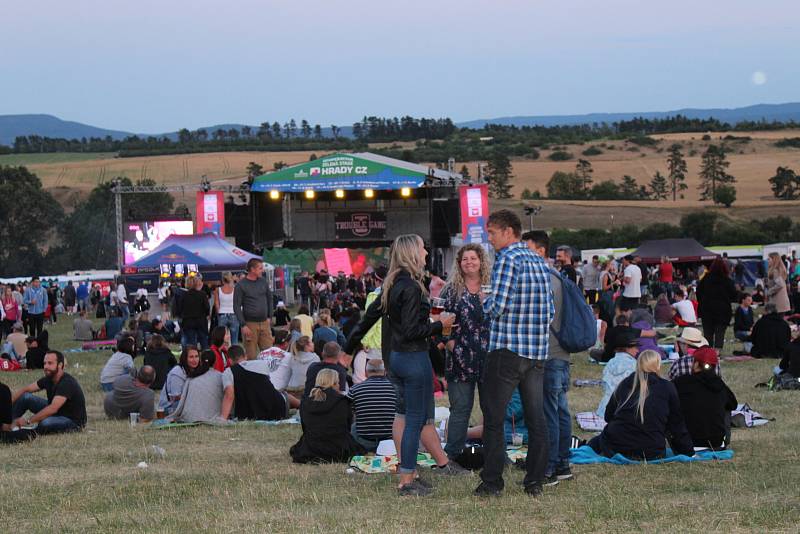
[
  {"x": 683, "y": 366},
  {"x": 521, "y": 304}
]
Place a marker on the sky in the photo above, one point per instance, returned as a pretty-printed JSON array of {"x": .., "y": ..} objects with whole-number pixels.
[{"x": 156, "y": 66}]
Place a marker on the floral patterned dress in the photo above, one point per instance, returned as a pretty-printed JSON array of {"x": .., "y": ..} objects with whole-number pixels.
[{"x": 471, "y": 335}]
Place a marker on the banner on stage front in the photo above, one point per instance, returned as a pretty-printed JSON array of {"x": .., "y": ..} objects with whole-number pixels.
[
  {"x": 211, "y": 213},
  {"x": 474, "y": 212}
]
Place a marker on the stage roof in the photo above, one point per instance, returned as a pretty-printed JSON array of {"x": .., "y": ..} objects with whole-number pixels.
[
  {"x": 208, "y": 251},
  {"x": 357, "y": 171},
  {"x": 677, "y": 250}
]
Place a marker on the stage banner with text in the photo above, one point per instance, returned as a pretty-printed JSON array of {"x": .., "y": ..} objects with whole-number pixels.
[
  {"x": 474, "y": 212},
  {"x": 211, "y": 213}
]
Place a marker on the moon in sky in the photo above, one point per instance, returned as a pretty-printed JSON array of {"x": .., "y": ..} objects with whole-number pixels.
[{"x": 759, "y": 78}]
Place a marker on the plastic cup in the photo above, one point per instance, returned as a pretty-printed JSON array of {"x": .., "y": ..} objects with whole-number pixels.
[
  {"x": 446, "y": 330},
  {"x": 134, "y": 418}
]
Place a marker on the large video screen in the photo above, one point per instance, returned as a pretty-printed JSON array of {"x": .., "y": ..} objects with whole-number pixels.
[{"x": 139, "y": 238}]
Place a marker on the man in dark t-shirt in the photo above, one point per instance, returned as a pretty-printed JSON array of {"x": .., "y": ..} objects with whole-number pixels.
[
  {"x": 330, "y": 360},
  {"x": 64, "y": 410}
]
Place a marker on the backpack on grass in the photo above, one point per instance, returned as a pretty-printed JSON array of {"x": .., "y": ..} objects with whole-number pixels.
[{"x": 578, "y": 326}]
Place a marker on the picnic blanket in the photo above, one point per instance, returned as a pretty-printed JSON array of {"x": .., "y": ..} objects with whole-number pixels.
[
  {"x": 741, "y": 358},
  {"x": 742, "y": 417},
  {"x": 163, "y": 423},
  {"x": 108, "y": 344},
  {"x": 586, "y": 455},
  {"x": 388, "y": 464}
]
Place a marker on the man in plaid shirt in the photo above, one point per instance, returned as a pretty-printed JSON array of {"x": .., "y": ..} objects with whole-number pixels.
[{"x": 520, "y": 308}]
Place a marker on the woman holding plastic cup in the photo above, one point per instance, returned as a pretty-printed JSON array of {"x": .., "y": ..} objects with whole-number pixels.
[
  {"x": 404, "y": 301},
  {"x": 466, "y": 345}
]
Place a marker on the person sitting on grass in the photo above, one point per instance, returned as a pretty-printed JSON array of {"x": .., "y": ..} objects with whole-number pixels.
[
  {"x": 220, "y": 340},
  {"x": 684, "y": 310},
  {"x": 706, "y": 401},
  {"x": 743, "y": 321},
  {"x": 330, "y": 360},
  {"x": 201, "y": 397},
  {"x": 374, "y": 405},
  {"x": 176, "y": 378},
  {"x": 120, "y": 363},
  {"x": 158, "y": 356},
  {"x": 771, "y": 334},
  {"x": 326, "y": 418},
  {"x": 7, "y": 435},
  {"x": 790, "y": 363},
  {"x": 291, "y": 373},
  {"x": 248, "y": 391},
  {"x": 37, "y": 348},
  {"x": 132, "y": 395},
  {"x": 686, "y": 345},
  {"x": 663, "y": 312},
  {"x": 621, "y": 329},
  {"x": 113, "y": 324},
  {"x": 82, "y": 328},
  {"x": 278, "y": 352},
  {"x": 64, "y": 410},
  {"x": 641, "y": 414},
  {"x": 622, "y": 365}
]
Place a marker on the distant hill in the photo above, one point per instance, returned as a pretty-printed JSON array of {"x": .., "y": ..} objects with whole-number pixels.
[
  {"x": 12, "y": 126},
  {"x": 768, "y": 112}
]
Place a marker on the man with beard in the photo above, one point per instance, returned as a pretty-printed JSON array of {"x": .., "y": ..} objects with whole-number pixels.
[{"x": 64, "y": 410}]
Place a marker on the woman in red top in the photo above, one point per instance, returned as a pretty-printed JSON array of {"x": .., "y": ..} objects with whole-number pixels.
[
  {"x": 220, "y": 341},
  {"x": 11, "y": 311}
]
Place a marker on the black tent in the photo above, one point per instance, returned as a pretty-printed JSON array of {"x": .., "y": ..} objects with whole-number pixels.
[{"x": 677, "y": 250}]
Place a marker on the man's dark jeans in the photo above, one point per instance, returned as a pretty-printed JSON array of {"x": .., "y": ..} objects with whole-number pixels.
[{"x": 505, "y": 371}]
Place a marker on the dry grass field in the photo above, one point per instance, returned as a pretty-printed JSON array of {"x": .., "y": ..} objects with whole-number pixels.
[
  {"x": 752, "y": 163},
  {"x": 241, "y": 479}
]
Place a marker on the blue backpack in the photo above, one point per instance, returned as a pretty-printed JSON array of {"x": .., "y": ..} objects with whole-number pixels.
[{"x": 578, "y": 325}]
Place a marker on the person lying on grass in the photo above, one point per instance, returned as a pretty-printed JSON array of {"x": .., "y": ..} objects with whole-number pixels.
[
  {"x": 64, "y": 410},
  {"x": 248, "y": 391},
  {"x": 132, "y": 395},
  {"x": 326, "y": 417},
  {"x": 643, "y": 412}
]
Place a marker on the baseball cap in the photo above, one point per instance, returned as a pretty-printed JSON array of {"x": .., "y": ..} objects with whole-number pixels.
[{"x": 706, "y": 356}]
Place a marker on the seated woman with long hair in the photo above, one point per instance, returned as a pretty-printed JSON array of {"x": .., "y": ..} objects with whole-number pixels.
[
  {"x": 201, "y": 397},
  {"x": 642, "y": 414},
  {"x": 326, "y": 416}
]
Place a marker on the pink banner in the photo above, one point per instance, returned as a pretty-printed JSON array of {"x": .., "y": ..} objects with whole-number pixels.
[
  {"x": 211, "y": 213},
  {"x": 338, "y": 259},
  {"x": 474, "y": 212}
]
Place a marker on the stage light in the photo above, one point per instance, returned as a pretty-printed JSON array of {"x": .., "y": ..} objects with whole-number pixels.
[
  {"x": 405, "y": 192},
  {"x": 309, "y": 194},
  {"x": 340, "y": 193},
  {"x": 369, "y": 193},
  {"x": 275, "y": 194}
]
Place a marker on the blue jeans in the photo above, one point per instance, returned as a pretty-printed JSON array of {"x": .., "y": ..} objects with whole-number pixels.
[
  {"x": 126, "y": 313},
  {"x": 556, "y": 412},
  {"x": 192, "y": 336},
  {"x": 232, "y": 322},
  {"x": 51, "y": 425},
  {"x": 462, "y": 398},
  {"x": 415, "y": 385}
]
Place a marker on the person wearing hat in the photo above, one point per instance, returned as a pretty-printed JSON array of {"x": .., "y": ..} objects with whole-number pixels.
[
  {"x": 689, "y": 341},
  {"x": 706, "y": 401},
  {"x": 281, "y": 316},
  {"x": 619, "y": 367}
]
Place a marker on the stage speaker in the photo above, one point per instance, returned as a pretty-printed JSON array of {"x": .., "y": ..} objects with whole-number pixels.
[
  {"x": 446, "y": 221},
  {"x": 239, "y": 224}
]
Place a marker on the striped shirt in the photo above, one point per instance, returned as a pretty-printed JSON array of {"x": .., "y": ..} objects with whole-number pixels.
[
  {"x": 521, "y": 303},
  {"x": 374, "y": 403}
]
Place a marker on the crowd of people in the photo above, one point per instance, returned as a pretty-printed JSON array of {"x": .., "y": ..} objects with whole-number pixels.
[{"x": 362, "y": 357}]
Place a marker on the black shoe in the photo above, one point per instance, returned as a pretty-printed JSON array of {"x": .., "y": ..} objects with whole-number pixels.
[
  {"x": 487, "y": 491},
  {"x": 422, "y": 482},
  {"x": 414, "y": 489},
  {"x": 565, "y": 473},
  {"x": 534, "y": 490},
  {"x": 549, "y": 481},
  {"x": 451, "y": 468}
]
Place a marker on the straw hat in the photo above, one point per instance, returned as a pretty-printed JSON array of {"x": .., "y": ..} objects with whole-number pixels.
[{"x": 693, "y": 337}]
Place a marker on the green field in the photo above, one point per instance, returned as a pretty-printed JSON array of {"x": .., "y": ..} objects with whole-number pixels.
[
  {"x": 60, "y": 157},
  {"x": 240, "y": 478}
]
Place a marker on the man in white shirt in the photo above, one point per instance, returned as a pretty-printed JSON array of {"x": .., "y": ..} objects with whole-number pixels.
[
  {"x": 685, "y": 315},
  {"x": 122, "y": 301},
  {"x": 632, "y": 277}
]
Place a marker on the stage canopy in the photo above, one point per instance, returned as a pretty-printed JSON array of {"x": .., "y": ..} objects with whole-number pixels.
[
  {"x": 351, "y": 172},
  {"x": 677, "y": 250},
  {"x": 208, "y": 251}
]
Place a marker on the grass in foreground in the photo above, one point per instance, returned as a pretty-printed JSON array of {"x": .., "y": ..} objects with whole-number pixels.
[{"x": 242, "y": 479}]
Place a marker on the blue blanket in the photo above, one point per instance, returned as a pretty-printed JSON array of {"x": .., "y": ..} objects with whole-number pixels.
[{"x": 586, "y": 455}]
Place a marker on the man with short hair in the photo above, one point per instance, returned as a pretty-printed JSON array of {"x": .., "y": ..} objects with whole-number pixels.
[
  {"x": 64, "y": 410},
  {"x": 374, "y": 405},
  {"x": 248, "y": 390},
  {"x": 684, "y": 310},
  {"x": 591, "y": 280},
  {"x": 330, "y": 360},
  {"x": 252, "y": 304},
  {"x": 632, "y": 278},
  {"x": 132, "y": 395},
  {"x": 35, "y": 299},
  {"x": 277, "y": 352},
  {"x": 564, "y": 258},
  {"x": 82, "y": 296},
  {"x": 520, "y": 308},
  {"x": 82, "y": 328},
  {"x": 743, "y": 321},
  {"x": 556, "y": 377},
  {"x": 122, "y": 300},
  {"x": 303, "y": 284},
  {"x": 690, "y": 340},
  {"x": 17, "y": 340}
]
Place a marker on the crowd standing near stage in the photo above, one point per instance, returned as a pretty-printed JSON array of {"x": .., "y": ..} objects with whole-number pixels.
[{"x": 363, "y": 356}]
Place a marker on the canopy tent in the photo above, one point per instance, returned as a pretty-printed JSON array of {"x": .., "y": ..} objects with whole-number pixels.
[
  {"x": 677, "y": 250},
  {"x": 351, "y": 172}
]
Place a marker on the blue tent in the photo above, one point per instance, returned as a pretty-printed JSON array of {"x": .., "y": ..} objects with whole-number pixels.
[{"x": 208, "y": 251}]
